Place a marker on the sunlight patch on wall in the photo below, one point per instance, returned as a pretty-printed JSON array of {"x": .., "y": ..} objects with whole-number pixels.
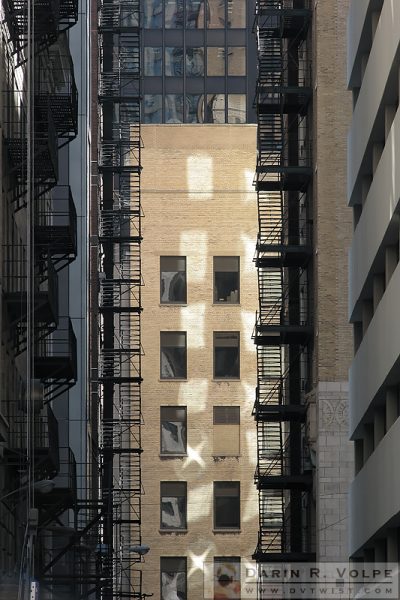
[
  {"x": 200, "y": 177},
  {"x": 248, "y": 318},
  {"x": 248, "y": 176},
  {"x": 199, "y": 502},
  {"x": 194, "y": 455},
  {"x": 194, "y": 389},
  {"x": 197, "y": 561},
  {"x": 251, "y": 446},
  {"x": 192, "y": 320},
  {"x": 195, "y": 239},
  {"x": 248, "y": 249}
]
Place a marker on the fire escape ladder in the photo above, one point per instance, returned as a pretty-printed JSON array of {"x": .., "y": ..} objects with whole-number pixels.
[
  {"x": 284, "y": 328},
  {"x": 120, "y": 308}
]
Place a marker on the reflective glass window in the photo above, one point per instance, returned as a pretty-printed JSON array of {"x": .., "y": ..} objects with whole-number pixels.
[
  {"x": 173, "y": 573},
  {"x": 236, "y": 14},
  {"x": 216, "y": 14},
  {"x": 194, "y": 108},
  {"x": 194, "y": 14},
  {"x": 173, "y": 279},
  {"x": 174, "y": 108},
  {"x": 153, "y": 61},
  {"x": 153, "y": 14},
  {"x": 173, "y": 505},
  {"x": 226, "y": 279},
  {"x": 174, "y": 62},
  {"x": 227, "y": 577},
  {"x": 194, "y": 62},
  {"x": 226, "y": 355},
  {"x": 173, "y": 354},
  {"x": 215, "y": 62},
  {"x": 237, "y": 108},
  {"x": 174, "y": 14},
  {"x": 226, "y": 505},
  {"x": 173, "y": 429},
  {"x": 215, "y": 108},
  {"x": 152, "y": 108},
  {"x": 236, "y": 60}
]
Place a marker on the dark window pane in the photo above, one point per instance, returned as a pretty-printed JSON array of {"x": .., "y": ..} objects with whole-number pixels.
[
  {"x": 173, "y": 578},
  {"x": 153, "y": 108},
  {"x": 215, "y": 62},
  {"x": 226, "y": 415},
  {"x": 174, "y": 108},
  {"x": 236, "y": 108},
  {"x": 173, "y": 505},
  {"x": 194, "y": 62},
  {"x": 215, "y": 108},
  {"x": 173, "y": 355},
  {"x": 173, "y": 279},
  {"x": 153, "y": 61},
  {"x": 226, "y": 279},
  {"x": 153, "y": 14},
  {"x": 174, "y": 14},
  {"x": 194, "y": 108},
  {"x": 173, "y": 430},
  {"x": 227, "y": 505},
  {"x": 174, "y": 62},
  {"x": 216, "y": 14},
  {"x": 194, "y": 14},
  {"x": 226, "y": 354}
]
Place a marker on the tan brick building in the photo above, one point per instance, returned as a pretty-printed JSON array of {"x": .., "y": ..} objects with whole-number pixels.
[{"x": 199, "y": 204}]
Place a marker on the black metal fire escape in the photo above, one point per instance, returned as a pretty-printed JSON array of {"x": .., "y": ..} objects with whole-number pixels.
[
  {"x": 120, "y": 295},
  {"x": 284, "y": 330},
  {"x": 59, "y": 556}
]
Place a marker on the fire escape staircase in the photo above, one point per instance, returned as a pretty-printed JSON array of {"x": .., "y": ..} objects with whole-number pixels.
[{"x": 283, "y": 331}]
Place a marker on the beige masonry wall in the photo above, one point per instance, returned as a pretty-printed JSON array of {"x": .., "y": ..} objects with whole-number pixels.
[
  {"x": 333, "y": 343},
  {"x": 198, "y": 202}
]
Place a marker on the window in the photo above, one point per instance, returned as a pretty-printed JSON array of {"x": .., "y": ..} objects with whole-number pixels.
[
  {"x": 216, "y": 14},
  {"x": 226, "y": 279},
  {"x": 153, "y": 61},
  {"x": 153, "y": 14},
  {"x": 226, "y": 505},
  {"x": 236, "y": 60},
  {"x": 173, "y": 14},
  {"x": 236, "y": 14},
  {"x": 226, "y": 431},
  {"x": 173, "y": 504},
  {"x": 174, "y": 108},
  {"x": 173, "y": 355},
  {"x": 173, "y": 578},
  {"x": 194, "y": 62},
  {"x": 194, "y": 108},
  {"x": 173, "y": 279},
  {"x": 215, "y": 108},
  {"x": 174, "y": 61},
  {"x": 226, "y": 354},
  {"x": 236, "y": 108},
  {"x": 215, "y": 61},
  {"x": 153, "y": 108},
  {"x": 173, "y": 429},
  {"x": 194, "y": 14},
  {"x": 226, "y": 577}
]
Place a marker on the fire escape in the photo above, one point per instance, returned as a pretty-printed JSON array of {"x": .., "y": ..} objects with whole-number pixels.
[
  {"x": 59, "y": 520},
  {"x": 119, "y": 233},
  {"x": 284, "y": 326}
]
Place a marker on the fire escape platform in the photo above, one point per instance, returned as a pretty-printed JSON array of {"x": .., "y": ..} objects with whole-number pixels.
[
  {"x": 278, "y": 413},
  {"x": 270, "y": 335},
  {"x": 275, "y": 255},
  {"x": 284, "y": 482},
  {"x": 276, "y": 99}
]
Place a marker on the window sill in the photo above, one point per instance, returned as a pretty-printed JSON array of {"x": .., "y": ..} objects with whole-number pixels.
[
  {"x": 226, "y": 455},
  {"x": 173, "y": 379},
  {"x": 165, "y": 530},
  {"x": 172, "y": 455},
  {"x": 172, "y": 304},
  {"x": 228, "y": 379},
  {"x": 226, "y": 304},
  {"x": 227, "y": 530}
]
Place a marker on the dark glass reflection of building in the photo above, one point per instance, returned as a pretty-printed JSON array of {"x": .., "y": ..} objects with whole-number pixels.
[{"x": 199, "y": 61}]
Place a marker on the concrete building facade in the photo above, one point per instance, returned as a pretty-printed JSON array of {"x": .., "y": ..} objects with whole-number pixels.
[{"x": 373, "y": 194}]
